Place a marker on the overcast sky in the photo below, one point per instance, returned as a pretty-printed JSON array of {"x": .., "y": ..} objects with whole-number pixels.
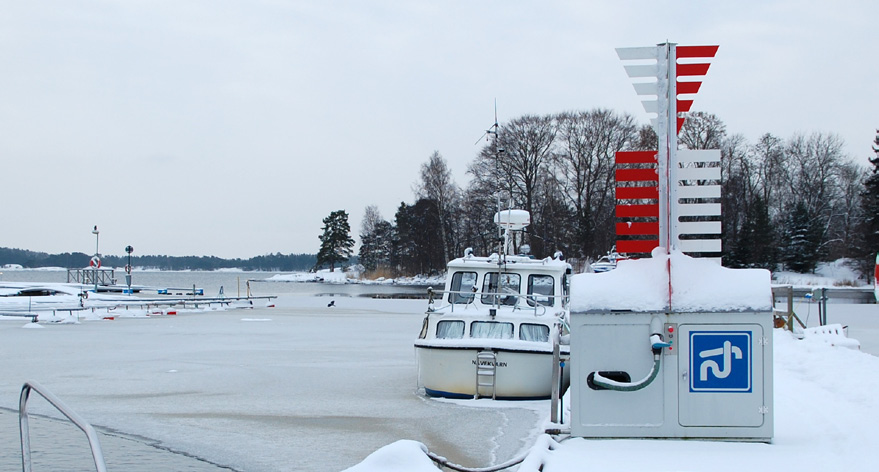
[{"x": 232, "y": 128}]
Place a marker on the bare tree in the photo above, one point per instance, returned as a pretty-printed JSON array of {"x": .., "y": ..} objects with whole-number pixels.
[
  {"x": 737, "y": 190},
  {"x": 846, "y": 216},
  {"x": 476, "y": 228},
  {"x": 702, "y": 131},
  {"x": 587, "y": 143},
  {"x": 527, "y": 143},
  {"x": 436, "y": 184},
  {"x": 371, "y": 218},
  {"x": 647, "y": 139},
  {"x": 769, "y": 162},
  {"x": 812, "y": 170}
]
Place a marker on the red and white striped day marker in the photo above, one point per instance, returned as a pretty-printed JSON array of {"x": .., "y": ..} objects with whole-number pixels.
[{"x": 651, "y": 184}]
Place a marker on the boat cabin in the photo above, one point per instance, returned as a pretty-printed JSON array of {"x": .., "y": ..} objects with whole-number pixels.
[{"x": 518, "y": 299}]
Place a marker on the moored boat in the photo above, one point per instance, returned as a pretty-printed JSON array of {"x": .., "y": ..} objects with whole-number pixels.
[
  {"x": 608, "y": 262},
  {"x": 492, "y": 330}
]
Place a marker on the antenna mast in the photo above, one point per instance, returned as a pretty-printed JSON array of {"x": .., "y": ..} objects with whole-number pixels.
[{"x": 493, "y": 131}]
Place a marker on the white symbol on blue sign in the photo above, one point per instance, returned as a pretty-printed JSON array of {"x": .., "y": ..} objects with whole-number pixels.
[{"x": 720, "y": 361}]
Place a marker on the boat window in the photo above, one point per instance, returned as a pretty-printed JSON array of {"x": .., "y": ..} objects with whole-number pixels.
[
  {"x": 494, "y": 293},
  {"x": 534, "y": 332},
  {"x": 491, "y": 330},
  {"x": 450, "y": 329},
  {"x": 540, "y": 290},
  {"x": 462, "y": 282}
]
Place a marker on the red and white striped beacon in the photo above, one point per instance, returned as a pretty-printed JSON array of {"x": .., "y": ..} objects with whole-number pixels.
[{"x": 875, "y": 277}]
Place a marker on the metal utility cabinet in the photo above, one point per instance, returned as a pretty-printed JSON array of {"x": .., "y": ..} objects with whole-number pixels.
[
  {"x": 670, "y": 346},
  {"x": 713, "y": 375}
]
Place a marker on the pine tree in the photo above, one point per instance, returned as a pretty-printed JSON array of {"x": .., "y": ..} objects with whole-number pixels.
[
  {"x": 336, "y": 241},
  {"x": 765, "y": 252},
  {"x": 740, "y": 255},
  {"x": 755, "y": 244},
  {"x": 870, "y": 205},
  {"x": 802, "y": 241}
]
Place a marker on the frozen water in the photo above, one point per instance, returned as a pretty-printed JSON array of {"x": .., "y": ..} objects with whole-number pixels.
[{"x": 307, "y": 388}]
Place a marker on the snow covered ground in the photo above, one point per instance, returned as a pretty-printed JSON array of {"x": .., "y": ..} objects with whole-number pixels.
[
  {"x": 353, "y": 277},
  {"x": 829, "y": 274}
]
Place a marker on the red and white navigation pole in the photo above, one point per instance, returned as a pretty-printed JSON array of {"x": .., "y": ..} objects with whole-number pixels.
[
  {"x": 876, "y": 279},
  {"x": 678, "y": 174},
  {"x": 684, "y": 184}
]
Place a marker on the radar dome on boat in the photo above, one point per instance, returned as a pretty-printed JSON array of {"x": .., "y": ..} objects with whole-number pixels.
[{"x": 514, "y": 220}]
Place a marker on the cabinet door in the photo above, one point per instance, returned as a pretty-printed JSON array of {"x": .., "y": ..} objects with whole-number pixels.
[{"x": 721, "y": 375}]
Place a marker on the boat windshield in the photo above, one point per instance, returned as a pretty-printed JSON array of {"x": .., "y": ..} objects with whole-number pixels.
[
  {"x": 495, "y": 283},
  {"x": 491, "y": 330},
  {"x": 450, "y": 329},
  {"x": 540, "y": 290},
  {"x": 462, "y": 282},
  {"x": 533, "y": 332}
]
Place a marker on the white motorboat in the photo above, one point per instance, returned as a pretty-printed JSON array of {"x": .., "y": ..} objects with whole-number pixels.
[
  {"x": 491, "y": 332},
  {"x": 608, "y": 262}
]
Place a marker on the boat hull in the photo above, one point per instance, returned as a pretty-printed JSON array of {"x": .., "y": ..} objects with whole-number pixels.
[{"x": 450, "y": 372}]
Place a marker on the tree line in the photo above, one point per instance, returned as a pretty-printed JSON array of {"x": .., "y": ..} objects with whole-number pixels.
[
  {"x": 270, "y": 262},
  {"x": 787, "y": 203}
]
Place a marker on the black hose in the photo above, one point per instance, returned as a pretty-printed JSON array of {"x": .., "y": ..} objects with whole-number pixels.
[{"x": 460, "y": 468}]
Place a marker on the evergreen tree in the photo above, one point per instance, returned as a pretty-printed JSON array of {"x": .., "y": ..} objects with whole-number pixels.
[
  {"x": 740, "y": 254},
  {"x": 418, "y": 243},
  {"x": 336, "y": 241},
  {"x": 755, "y": 244},
  {"x": 802, "y": 240},
  {"x": 870, "y": 205},
  {"x": 376, "y": 246},
  {"x": 765, "y": 252}
]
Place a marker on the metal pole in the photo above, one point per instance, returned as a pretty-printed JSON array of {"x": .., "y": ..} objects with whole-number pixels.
[
  {"x": 556, "y": 380},
  {"x": 129, "y": 249},
  {"x": 823, "y": 306},
  {"x": 82, "y": 424},
  {"x": 97, "y": 256}
]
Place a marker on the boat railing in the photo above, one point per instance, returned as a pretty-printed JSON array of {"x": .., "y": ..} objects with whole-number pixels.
[
  {"x": 81, "y": 423},
  {"x": 467, "y": 298}
]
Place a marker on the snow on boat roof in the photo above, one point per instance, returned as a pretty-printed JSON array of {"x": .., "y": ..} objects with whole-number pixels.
[
  {"x": 698, "y": 285},
  {"x": 511, "y": 262}
]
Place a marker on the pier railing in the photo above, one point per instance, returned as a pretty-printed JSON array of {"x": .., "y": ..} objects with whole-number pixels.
[
  {"x": 91, "y": 276},
  {"x": 82, "y": 424}
]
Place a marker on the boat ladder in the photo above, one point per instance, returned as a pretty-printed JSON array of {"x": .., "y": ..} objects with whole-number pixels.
[
  {"x": 486, "y": 374},
  {"x": 81, "y": 423}
]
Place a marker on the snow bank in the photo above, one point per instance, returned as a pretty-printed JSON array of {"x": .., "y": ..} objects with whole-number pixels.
[
  {"x": 324, "y": 276},
  {"x": 402, "y": 456},
  {"x": 697, "y": 285},
  {"x": 828, "y": 274},
  {"x": 348, "y": 277},
  {"x": 825, "y": 415}
]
